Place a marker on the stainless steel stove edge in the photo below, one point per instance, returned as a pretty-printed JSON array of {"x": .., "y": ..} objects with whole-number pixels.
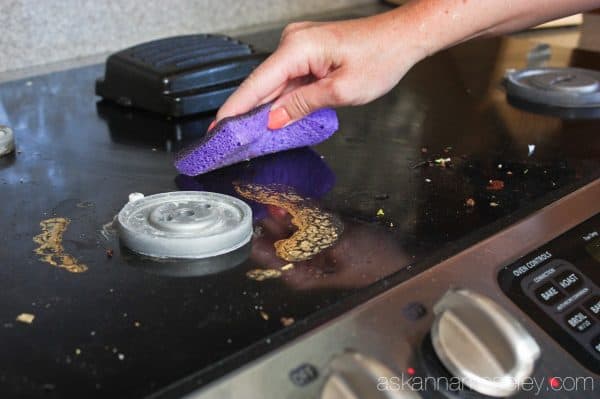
[{"x": 379, "y": 330}]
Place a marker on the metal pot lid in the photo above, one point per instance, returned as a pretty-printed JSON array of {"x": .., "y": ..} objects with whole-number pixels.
[
  {"x": 559, "y": 87},
  {"x": 7, "y": 140},
  {"x": 184, "y": 224}
]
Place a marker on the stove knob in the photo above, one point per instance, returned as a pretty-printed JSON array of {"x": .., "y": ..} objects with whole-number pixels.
[
  {"x": 355, "y": 376},
  {"x": 482, "y": 344}
]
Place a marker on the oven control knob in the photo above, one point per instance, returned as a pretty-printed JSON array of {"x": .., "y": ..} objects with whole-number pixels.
[
  {"x": 482, "y": 344},
  {"x": 355, "y": 376}
]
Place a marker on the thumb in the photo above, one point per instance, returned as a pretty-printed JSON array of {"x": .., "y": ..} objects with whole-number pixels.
[{"x": 300, "y": 102}]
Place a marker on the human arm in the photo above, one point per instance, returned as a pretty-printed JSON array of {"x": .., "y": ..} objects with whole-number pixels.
[{"x": 354, "y": 62}]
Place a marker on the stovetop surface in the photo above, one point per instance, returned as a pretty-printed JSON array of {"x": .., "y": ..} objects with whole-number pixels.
[{"x": 117, "y": 330}]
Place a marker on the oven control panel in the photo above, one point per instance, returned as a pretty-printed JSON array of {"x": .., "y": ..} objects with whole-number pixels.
[{"x": 558, "y": 286}]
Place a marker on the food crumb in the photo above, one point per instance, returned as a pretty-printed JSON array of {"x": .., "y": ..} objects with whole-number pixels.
[
  {"x": 443, "y": 162},
  {"x": 470, "y": 202},
  {"x": 263, "y": 274},
  {"x": 264, "y": 315},
  {"x": 137, "y": 324},
  {"x": 428, "y": 180},
  {"x": 26, "y": 318},
  {"x": 494, "y": 204},
  {"x": 109, "y": 252},
  {"x": 77, "y": 351},
  {"x": 287, "y": 321},
  {"x": 380, "y": 212},
  {"x": 495, "y": 185},
  {"x": 509, "y": 173},
  {"x": 121, "y": 356},
  {"x": 287, "y": 267}
]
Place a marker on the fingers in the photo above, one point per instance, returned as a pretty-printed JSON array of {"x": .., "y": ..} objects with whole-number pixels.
[
  {"x": 287, "y": 87},
  {"x": 265, "y": 82},
  {"x": 282, "y": 90},
  {"x": 296, "y": 104}
]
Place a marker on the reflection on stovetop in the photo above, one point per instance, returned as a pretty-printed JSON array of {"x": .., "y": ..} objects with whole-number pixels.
[
  {"x": 302, "y": 170},
  {"x": 186, "y": 267},
  {"x": 146, "y": 129},
  {"x": 439, "y": 163}
]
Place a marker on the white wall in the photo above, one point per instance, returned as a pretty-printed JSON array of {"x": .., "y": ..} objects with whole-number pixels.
[{"x": 36, "y": 32}]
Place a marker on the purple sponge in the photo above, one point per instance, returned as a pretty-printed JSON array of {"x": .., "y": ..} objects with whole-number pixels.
[{"x": 246, "y": 136}]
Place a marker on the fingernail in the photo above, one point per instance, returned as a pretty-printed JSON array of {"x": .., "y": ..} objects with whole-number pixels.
[
  {"x": 212, "y": 124},
  {"x": 278, "y": 118}
]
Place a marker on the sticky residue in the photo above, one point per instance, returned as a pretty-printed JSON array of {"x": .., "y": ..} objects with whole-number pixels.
[
  {"x": 317, "y": 229},
  {"x": 287, "y": 321},
  {"x": 26, "y": 318},
  {"x": 263, "y": 274},
  {"x": 287, "y": 267},
  {"x": 109, "y": 230},
  {"x": 85, "y": 204},
  {"x": 51, "y": 249}
]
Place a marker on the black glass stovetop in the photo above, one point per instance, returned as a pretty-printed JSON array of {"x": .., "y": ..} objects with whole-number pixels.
[{"x": 409, "y": 176}]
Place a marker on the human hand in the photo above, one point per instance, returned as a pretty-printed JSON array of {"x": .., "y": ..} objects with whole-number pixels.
[{"x": 326, "y": 64}]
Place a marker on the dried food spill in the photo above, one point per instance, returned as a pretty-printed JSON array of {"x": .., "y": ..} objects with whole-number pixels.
[
  {"x": 317, "y": 229},
  {"x": 263, "y": 274},
  {"x": 51, "y": 249},
  {"x": 267, "y": 274}
]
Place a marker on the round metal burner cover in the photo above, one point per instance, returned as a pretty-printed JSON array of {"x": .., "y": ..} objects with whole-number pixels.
[
  {"x": 560, "y": 87},
  {"x": 185, "y": 224},
  {"x": 7, "y": 140}
]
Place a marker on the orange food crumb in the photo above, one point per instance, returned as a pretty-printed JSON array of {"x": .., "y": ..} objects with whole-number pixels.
[{"x": 495, "y": 185}]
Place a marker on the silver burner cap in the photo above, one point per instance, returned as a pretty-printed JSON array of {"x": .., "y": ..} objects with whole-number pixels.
[
  {"x": 7, "y": 140},
  {"x": 560, "y": 87},
  {"x": 184, "y": 224}
]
